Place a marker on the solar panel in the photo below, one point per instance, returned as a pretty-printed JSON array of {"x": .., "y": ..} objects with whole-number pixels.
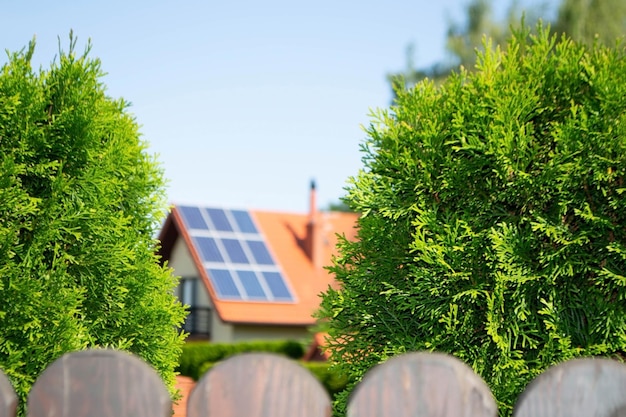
[
  {"x": 251, "y": 285},
  {"x": 219, "y": 219},
  {"x": 235, "y": 255},
  {"x": 244, "y": 221},
  {"x": 277, "y": 285},
  {"x": 259, "y": 251},
  {"x": 208, "y": 249},
  {"x": 235, "y": 251},
  {"x": 193, "y": 218},
  {"x": 223, "y": 283}
]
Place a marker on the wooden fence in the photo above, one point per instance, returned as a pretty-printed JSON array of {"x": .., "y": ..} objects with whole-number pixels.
[{"x": 106, "y": 383}]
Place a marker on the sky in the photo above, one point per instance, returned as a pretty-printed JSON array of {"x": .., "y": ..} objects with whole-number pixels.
[{"x": 245, "y": 102}]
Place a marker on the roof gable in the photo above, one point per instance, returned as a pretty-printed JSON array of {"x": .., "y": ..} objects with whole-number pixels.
[{"x": 254, "y": 264}]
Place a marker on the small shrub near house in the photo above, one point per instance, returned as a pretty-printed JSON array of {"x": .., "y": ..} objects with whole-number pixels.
[
  {"x": 493, "y": 219},
  {"x": 333, "y": 380},
  {"x": 197, "y": 357}
]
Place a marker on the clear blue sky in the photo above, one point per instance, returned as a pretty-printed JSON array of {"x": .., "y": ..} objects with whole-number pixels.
[{"x": 245, "y": 101}]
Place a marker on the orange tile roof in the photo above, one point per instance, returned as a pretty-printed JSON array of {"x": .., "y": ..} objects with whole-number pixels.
[{"x": 285, "y": 235}]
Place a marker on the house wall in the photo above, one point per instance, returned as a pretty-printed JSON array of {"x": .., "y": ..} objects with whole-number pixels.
[
  {"x": 222, "y": 332},
  {"x": 242, "y": 333},
  {"x": 183, "y": 265}
]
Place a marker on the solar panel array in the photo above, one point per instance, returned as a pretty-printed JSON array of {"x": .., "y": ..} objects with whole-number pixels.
[{"x": 234, "y": 255}]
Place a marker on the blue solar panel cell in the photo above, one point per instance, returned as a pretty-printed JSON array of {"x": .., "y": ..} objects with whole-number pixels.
[
  {"x": 251, "y": 285},
  {"x": 259, "y": 251},
  {"x": 244, "y": 221},
  {"x": 238, "y": 261},
  {"x": 235, "y": 251},
  {"x": 223, "y": 283},
  {"x": 193, "y": 218},
  {"x": 208, "y": 249},
  {"x": 219, "y": 219},
  {"x": 277, "y": 286}
]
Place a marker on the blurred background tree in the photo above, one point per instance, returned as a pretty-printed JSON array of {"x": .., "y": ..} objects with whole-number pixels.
[
  {"x": 591, "y": 20},
  {"x": 583, "y": 20}
]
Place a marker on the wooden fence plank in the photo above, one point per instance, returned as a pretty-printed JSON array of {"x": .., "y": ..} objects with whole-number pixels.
[
  {"x": 422, "y": 385},
  {"x": 576, "y": 388},
  {"x": 8, "y": 399},
  {"x": 258, "y": 385},
  {"x": 99, "y": 383},
  {"x": 106, "y": 383}
]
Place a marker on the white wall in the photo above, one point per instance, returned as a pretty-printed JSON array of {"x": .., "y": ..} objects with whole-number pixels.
[
  {"x": 251, "y": 332},
  {"x": 183, "y": 265}
]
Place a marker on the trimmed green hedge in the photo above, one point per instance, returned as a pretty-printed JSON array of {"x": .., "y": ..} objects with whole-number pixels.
[
  {"x": 196, "y": 354},
  {"x": 331, "y": 379}
]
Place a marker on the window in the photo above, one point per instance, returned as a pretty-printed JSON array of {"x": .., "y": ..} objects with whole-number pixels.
[{"x": 198, "y": 320}]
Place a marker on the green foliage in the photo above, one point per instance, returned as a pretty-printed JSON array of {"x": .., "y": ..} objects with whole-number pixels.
[
  {"x": 333, "y": 380},
  {"x": 203, "y": 369},
  {"x": 195, "y": 355},
  {"x": 80, "y": 200},
  {"x": 494, "y": 213}
]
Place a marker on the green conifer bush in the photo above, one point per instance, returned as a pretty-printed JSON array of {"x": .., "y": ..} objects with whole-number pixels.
[
  {"x": 494, "y": 218},
  {"x": 80, "y": 201}
]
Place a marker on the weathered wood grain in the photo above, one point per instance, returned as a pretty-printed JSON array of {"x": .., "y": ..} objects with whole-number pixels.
[
  {"x": 8, "y": 399},
  {"x": 577, "y": 388},
  {"x": 422, "y": 385},
  {"x": 107, "y": 383},
  {"x": 258, "y": 385},
  {"x": 99, "y": 383}
]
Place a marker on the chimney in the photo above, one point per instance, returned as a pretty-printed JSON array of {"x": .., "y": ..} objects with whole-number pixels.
[
  {"x": 313, "y": 240},
  {"x": 312, "y": 202}
]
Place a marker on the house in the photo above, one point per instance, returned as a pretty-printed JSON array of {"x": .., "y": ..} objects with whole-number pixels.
[{"x": 251, "y": 274}]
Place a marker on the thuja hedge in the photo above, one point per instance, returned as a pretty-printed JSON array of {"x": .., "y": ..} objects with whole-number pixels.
[
  {"x": 196, "y": 357},
  {"x": 493, "y": 218},
  {"x": 80, "y": 202}
]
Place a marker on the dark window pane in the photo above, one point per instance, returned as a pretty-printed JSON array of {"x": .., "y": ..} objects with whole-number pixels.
[
  {"x": 235, "y": 251},
  {"x": 251, "y": 284},
  {"x": 218, "y": 217},
  {"x": 277, "y": 285},
  {"x": 208, "y": 249},
  {"x": 223, "y": 283},
  {"x": 198, "y": 321},
  {"x": 244, "y": 221},
  {"x": 260, "y": 252},
  {"x": 192, "y": 217}
]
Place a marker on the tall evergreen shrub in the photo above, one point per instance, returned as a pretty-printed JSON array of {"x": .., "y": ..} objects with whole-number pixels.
[
  {"x": 80, "y": 200},
  {"x": 494, "y": 218}
]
